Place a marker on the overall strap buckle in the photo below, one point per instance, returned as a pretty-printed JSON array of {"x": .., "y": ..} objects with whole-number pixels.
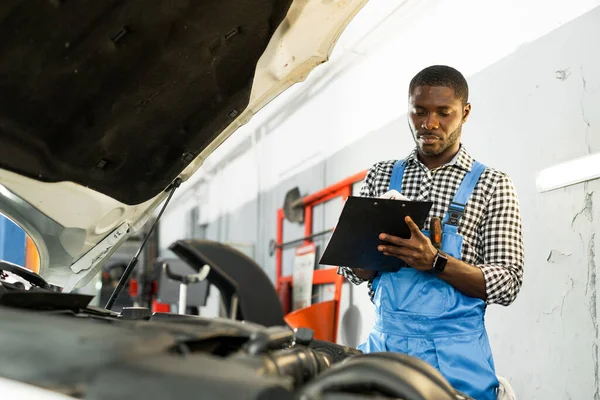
[
  {"x": 455, "y": 213},
  {"x": 459, "y": 202}
]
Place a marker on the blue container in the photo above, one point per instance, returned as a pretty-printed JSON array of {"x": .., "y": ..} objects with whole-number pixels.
[{"x": 12, "y": 242}]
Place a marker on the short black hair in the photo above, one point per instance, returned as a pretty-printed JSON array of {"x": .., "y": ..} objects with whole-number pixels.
[{"x": 442, "y": 75}]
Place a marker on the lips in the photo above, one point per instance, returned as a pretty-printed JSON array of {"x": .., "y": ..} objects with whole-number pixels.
[{"x": 428, "y": 139}]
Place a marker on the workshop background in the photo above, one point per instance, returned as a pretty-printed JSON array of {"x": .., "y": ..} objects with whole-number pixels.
[{"x": 534, "y": 74}]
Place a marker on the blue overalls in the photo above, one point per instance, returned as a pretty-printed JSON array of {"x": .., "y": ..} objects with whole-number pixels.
[{"x": 419, "y": 314}]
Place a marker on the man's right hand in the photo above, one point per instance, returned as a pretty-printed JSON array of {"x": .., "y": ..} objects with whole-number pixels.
[{"x": 364, "y": 274}]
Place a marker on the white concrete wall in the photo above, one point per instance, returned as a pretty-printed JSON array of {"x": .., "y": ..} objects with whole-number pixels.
[{"x": 351, "y": 112}]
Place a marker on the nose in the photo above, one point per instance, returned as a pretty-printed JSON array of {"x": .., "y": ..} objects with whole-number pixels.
[{"x": 430, "y": 123}]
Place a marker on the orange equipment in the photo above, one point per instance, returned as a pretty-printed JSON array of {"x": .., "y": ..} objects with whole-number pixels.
[{"x": 321, "y": 317}]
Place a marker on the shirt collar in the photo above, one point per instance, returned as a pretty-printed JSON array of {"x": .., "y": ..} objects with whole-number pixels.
[{"x": 462, "y": 159}]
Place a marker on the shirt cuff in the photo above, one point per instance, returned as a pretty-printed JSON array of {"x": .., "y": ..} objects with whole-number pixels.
[
  {"x": 350, "y": 275},
  {"x": 502, "y": 283}
]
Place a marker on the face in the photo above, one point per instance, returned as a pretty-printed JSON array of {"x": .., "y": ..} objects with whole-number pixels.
[{"x": 436, "y": 116}]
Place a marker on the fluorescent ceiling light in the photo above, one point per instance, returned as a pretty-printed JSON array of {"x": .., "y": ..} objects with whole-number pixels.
[{"x": 569, "y": 173}]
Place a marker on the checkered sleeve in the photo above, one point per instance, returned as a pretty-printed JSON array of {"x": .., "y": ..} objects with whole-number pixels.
[
  {"x": 501, "y": 235},
  {"x": 367, "y": 190}
]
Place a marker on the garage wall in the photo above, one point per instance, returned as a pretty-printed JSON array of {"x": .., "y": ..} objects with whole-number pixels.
[{"x": 535, "y": 92}]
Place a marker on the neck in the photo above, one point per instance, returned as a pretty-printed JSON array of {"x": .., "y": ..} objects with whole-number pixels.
[{"x": 436, "y": 161}]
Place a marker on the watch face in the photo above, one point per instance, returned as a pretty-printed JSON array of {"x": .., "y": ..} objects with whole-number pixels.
[{"x": 440, "y": 262}]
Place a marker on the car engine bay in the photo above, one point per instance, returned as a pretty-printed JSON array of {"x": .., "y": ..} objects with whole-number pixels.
[{"x": 58, "y": 342}]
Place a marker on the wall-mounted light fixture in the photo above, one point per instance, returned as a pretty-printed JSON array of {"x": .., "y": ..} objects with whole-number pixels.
[{"x": 569, "y": 173}]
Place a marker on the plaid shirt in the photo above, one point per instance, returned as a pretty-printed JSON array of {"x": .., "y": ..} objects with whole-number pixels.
[{"x": 490, "y": 226}]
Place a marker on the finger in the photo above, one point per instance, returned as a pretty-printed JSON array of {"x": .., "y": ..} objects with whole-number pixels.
[
  {"x": 402, "y": 258},
  {"x": 398, "y": 241},
  {"x": 414, "y": 229},
  {"x": 395, "y": 251}
]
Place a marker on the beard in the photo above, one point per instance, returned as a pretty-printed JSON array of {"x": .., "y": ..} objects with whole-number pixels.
[{"x": 441, "y": 145}]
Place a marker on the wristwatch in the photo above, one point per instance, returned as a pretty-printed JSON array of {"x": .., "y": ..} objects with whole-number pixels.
[{"x": 439, "y": 262}]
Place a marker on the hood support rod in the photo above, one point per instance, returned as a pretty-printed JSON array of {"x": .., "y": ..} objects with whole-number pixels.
[{"x": 113, "y": 297}]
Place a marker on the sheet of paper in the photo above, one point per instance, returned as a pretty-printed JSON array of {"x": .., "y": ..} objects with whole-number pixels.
[
  {"x": 394, "y": 195},
  {"x": 304, "y": 268}
]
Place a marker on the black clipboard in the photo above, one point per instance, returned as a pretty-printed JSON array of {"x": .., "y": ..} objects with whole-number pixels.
[{"x": 355, "y": 238}]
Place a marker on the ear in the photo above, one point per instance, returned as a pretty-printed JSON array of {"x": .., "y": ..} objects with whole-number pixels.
[{"x": 466, "y": 112}]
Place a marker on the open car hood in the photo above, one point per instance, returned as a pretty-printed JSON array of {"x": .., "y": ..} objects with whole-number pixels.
[{"x": 105, "y": 103}]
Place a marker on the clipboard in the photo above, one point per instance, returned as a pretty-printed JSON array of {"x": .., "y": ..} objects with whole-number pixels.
[{"x": 356, "y": 236}]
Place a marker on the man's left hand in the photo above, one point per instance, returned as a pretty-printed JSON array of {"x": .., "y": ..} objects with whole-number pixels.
[{"x": 417, "y": 252}]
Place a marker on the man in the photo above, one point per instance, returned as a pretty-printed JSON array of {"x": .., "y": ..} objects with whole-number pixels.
[{"x": 434, "y": 306}]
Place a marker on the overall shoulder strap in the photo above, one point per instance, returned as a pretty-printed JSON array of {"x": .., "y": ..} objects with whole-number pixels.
[
  {"x": 397, "y": 174},
  {"x": 457, "y": 206}
]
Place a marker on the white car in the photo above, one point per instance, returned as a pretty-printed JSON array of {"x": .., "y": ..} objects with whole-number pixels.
[{"x": 106, "y": 108}]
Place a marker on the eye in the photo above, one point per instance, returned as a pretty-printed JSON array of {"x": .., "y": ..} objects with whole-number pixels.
[{"x": 419, "y": 113}]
